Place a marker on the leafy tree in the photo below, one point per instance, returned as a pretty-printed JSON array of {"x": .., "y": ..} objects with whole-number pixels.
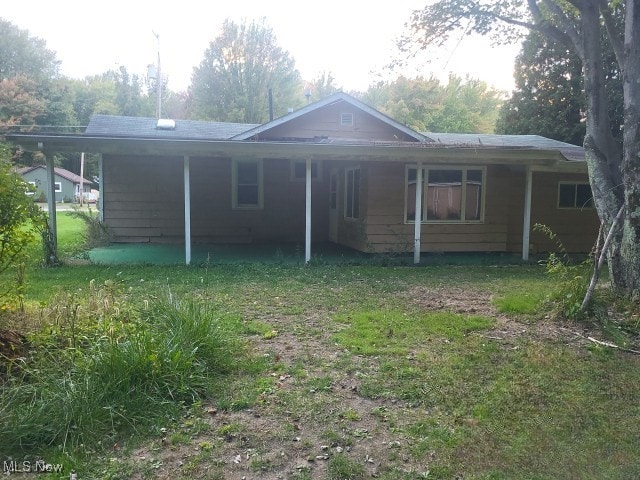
[
  {"x": 322, "y": 86},
  {"x": 20, "y": 220},
  {"x": 58, "y": 100},
  {"x": 175, "y": 105},
  {"x": 22, "y": 54},
  {"x": 240, "y": 66},
  {"x": 426, "y": 105},
  {"x": 614, "y": 171},
  {"x": 549, "y": 98},
  {"x": 19, "y": 102}
]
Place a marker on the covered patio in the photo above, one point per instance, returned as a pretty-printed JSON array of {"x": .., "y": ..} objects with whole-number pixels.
[{"x": 283, "y": 254}]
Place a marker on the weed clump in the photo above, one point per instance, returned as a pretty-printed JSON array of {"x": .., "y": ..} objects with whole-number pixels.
[
  {"x": 572, "y": 278},
  {"x": 98, "y": 376},
  {"x": 97, "y": 234}
]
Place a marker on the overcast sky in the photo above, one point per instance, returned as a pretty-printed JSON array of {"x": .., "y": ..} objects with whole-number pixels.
[{"x": 349, "y": 38}]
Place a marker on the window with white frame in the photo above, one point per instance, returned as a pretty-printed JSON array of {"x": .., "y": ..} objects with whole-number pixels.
[
  {"x": 352, "y": 193},
  {"x": 299, "y": 170},
  {"x": 454, "y": 195},
  {"x": 58, "y": 187},
  {"x": 32, "y": 188},
  {"x": 575, "y": 195},
  {"x": 247, "y": 184}
]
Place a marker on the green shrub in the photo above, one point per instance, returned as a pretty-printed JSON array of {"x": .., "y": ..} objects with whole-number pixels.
[
  {"x": 20, "y": 219},
  {"x": 97, "y": 234},
  {"x": 114, "y": 377},
  {"x": 572, "y": 280}
]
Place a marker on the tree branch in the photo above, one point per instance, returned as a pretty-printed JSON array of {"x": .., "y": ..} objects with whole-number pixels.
[
  {"x": 613, "y": 345},
  {"x": 617, "y": 43},
  {"x": 598, "y": 266},
  {"x": 570, "y": 37}
]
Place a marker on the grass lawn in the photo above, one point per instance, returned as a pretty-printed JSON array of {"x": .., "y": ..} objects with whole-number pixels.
[{"x": 327, "y": 372}]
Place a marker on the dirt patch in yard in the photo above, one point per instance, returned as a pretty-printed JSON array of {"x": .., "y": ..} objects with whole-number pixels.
[
  {"x": 314, "y": 419},
  {"x": 508, "y": 329}
]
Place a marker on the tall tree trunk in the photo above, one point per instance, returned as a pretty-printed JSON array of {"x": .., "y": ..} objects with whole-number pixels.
[
  {"x": 630, "y": 248},
  {"x": 601, "y": 150}
]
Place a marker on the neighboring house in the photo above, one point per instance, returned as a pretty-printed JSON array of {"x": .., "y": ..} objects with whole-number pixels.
[
  {"x": 336, "y": 170},
  {"x": 66, "y": 183}
]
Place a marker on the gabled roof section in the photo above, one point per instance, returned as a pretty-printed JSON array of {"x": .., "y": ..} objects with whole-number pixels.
[
  {"x": 61, "y": 172},
  {"x": 145, "y": 127},
  {"x": 261, "y": 131}
]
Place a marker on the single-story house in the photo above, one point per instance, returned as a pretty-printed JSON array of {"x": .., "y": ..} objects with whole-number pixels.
[
  {"x": 66, "y": 183},
  {"x": 338, "y": 171}
]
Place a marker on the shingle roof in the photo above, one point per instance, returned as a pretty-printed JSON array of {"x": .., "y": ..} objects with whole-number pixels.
[
  {"x": 61, "y": 172},
  {"x": 144, "y": 127},
  {"x": 534, "y": 142}
]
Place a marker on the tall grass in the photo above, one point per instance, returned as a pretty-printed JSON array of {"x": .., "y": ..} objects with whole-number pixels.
[{"x": 117, "y": 380}]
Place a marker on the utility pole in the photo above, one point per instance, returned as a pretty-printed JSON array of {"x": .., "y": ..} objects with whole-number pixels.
[{"x": 158, "y": 81}]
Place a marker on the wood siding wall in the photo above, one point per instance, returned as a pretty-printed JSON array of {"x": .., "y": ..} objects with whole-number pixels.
[
  {"x": 326, "y": 122},
  {"x": 576, "y": 228},
  {"x": 501, "y": 229},
  {"x": 144, "y": 202},
  {"x": 387, "y": 232}
]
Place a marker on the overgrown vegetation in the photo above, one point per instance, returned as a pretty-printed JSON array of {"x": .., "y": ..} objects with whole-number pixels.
[
  {"x": 102, "y": 368},
  {"x": 96, "y": 233},
  {"x": 280, "y": 371},
  {"x": 571, "y": 278},
  {"x": 20, "y": 220}
]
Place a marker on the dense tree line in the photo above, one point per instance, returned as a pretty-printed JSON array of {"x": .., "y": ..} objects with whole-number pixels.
[{"x": 549, "y": 98}]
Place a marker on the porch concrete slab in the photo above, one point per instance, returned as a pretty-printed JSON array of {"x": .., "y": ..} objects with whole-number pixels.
[
  {"x": 290, "y": 254},
  {"x": 163, "y": 254}
]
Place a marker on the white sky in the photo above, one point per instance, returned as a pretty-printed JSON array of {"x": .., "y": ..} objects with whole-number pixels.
[{"x": 349, "y": 38}]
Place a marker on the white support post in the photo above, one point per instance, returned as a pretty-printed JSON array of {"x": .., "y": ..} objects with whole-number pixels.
[
  {"x": 51, "y": 202},
  {"x": 418, "y": 220},
  {"x": 81, "y": 187},
  {"x": 307, "y": 233},
  {"x": 101, "y": 187},
  {"x": 526, "y": 227},
  {"x": 187, "y": 212}
]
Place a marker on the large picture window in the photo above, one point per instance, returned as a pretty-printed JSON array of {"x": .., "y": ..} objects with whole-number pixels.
[
  {"x": 352, "y": 193},
  {"x": 448, "y": 194},
  {"x": 574, "y": 195},
  {"x": 247, "y": 184}
]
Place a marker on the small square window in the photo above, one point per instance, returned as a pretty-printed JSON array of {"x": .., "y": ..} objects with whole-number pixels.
[{"x": 58, "y": 186}]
